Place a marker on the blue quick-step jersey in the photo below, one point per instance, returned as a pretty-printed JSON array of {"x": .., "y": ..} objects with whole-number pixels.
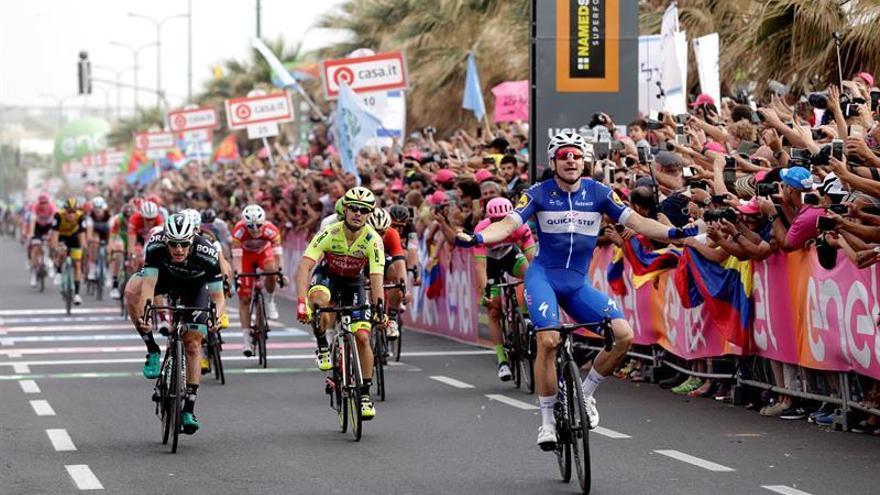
[{"x": 568, "y": 224}]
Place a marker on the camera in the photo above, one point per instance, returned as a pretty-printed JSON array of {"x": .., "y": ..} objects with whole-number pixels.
[
  {"x": 800, "y": 154},
  {"x": 875, "y": 99},
  {"x": 687, "y": 172},
  {"x": 653, "y": 125},
  {"x": 850, "y": 110},
  {"x": 817, "y": 134},
  {"x": 719, "y": 199},
  {"x": 719, "y": 214},
  {"x": 840, "y": 209},
  {"x": 630, "y": 161},
  {"x": 430, "y": 130},
  {"x": 825, "y": 224},
  {"x": 837, "y": 149},
  {"x": 729, "y": 163},
  {"x": 598, "y": 120},
  {"x": 766, "y": 190},
  {"x": 682, "y": 118},
  {"x": 645, "y": 155}
]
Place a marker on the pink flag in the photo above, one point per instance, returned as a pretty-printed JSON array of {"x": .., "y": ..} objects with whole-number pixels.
[{"x": 511, "y": 101}]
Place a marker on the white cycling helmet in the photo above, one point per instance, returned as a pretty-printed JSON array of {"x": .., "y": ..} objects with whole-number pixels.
[
  {"x": 99, "y": 203},
  {"x": 253, "y": 215},
  {"x": 180, "y": 228},
  {"x": 380, "y": 220},
  {"x": 564, "y": 139},
  {"x": 149, "y": 210},
  {"x": 194, "y": 217}
]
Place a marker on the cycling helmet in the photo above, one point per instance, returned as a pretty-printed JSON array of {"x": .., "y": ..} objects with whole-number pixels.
[
  {"x": 498, "y": 208},
  {"x": 149, "y": 210},
  {"x": 179, "y": 228},
  {"x": 338, "y": 208},
  {"x": 155, "y": 199},
  {"x": 137, "y": 202},
  {"x": 43, "y": 198},
  {"x": 380, "y": 220},
  {"x": 208, "y": 216},
  {"x": 99, "y": 203},
  {"x": 70, "y": 203},
  {"x": 399, "y": 213},
  {"x": 360, "y": 196},
  {"x": 564, "y": 139},
  {"x": 253, "y": 215},
  {"x": 194, "y": 217},
  {"x": 127, "y": 210}
]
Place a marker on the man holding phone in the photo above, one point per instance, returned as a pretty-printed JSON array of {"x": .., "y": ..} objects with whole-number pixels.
[{"x": 795, "y": 181}]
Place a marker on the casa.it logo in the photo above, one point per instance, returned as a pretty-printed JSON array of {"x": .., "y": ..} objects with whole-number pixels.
[
  {"x": 243, "y": 111},
  {"x": 179, "y": 121},
  {"x": 343, "y": 75}
]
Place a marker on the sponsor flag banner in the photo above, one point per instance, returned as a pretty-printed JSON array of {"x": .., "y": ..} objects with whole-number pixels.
[
  {"x": 511, "y": 101},
  {"x": 354, "y": 127},
  {"x": 473, "y": 94}
]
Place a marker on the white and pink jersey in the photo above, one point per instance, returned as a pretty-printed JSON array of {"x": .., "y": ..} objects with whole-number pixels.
[
  {"x": 521, "y": 237},
  {"x": 43, "y": 214},
  {"x": 242, "y": 238}
]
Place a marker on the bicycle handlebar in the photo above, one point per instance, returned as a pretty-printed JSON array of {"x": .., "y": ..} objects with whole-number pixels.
[
  {"x": 150, "y": 310},
  {"x": 605, "y": 325},
  {"x": 342, "y": 309},
  {"x": 279, "y": 275}
]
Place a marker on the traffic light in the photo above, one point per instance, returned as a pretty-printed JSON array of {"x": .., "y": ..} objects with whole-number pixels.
[{"x": 84, "y": 73}]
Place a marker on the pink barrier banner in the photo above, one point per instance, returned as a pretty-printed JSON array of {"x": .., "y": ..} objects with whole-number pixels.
[{"x": 803, "y": 314}]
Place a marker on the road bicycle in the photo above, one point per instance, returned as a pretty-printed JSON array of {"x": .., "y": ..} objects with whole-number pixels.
[
  {"x": 345, "y": 380},
  {"x": 213, "y": 350},
  {"x": 42, "y": 270},
  {"x": 96, "y": 287},
  {"x": 67, "y": 280},
  {"x": 518, "y": 340},
  {"x": 257, "y": 310},
  {"x": 380, "y": 344},
  {"x": 572, "y": 423},
  {"x": 169, "y": 389}
]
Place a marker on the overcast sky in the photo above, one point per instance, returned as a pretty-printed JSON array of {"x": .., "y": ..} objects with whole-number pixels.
[{"x": 40, "y": 40}]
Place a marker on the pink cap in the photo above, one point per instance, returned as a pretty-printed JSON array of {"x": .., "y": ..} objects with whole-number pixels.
[
  {"x": 397, "y": 185},
  {"x": 328, "y": 172},
  {"x": 444, "y": 176},
  {"x": 703, "y": 99},
  {"x": 482, "y": 175},
  {"x": 760, "y": 175},
  {"x": 302, "y": 161},
  {"x": 867, "y": 77},
  {"x": 716, "y": 147},
  {"x": 750, "y": 208},
  {"x": 437, "y": 198}
]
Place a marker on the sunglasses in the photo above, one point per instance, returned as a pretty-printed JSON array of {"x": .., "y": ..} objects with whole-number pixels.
[
  {"x": 178, "y": 244},
  {"x": 361, "y": 210},
  {"x": 253, "y": 226},
  {"x": 568, "y": 155}
]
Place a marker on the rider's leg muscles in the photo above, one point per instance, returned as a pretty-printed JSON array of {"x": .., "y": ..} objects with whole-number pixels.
[
  {"x": 365, "y": 351},
  {"x": 494, "y": 313},
  {"x": 541, "y": 300},
  {"x": 192, "y": 343},
  {"x": 319, "y": 295},
  {"x": 132, "y": 296}
]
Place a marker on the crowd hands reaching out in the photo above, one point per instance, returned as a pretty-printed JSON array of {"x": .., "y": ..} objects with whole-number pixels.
[{"x": 790, "y": 174}]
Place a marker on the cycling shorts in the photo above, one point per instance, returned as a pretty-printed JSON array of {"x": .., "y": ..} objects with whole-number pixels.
[
  {"x": 73, "y": 246},
  {"x": 511, "y": 264},
  {"x": 250, "y": 261},
  {"x": 102, "y": 230},
  {"x": 41, "y": 231},
  {"x": 343, "y": 292},
  {"x": 198, "y": 297},
  {"x": 548, "y": 289}
]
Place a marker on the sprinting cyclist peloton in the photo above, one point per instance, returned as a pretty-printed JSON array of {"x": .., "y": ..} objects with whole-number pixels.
[
  {"x": 255, "y": 243},
  {"x": 400, "y": 220},
  {"x": 569, "y": 210},
  {"x": 395, "y": 266},
  {"x": 511, "y": 256},
  {"x": 347, "y": 247},
  {"x": 41, "y": 221},
  {"x": 119, "y": 245},
  {"x": 97, "y": 231},
  {"x": 70, "y": 228},
  {"x": 187, "y": 264}
]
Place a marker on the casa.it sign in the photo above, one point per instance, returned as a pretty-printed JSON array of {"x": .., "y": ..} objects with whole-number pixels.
[
  {"x": 382, "y": 72},
  {"x": 153, "y": 140},
  {"x": 193, "y": 119},
  {"x": 243, "y": 112}
]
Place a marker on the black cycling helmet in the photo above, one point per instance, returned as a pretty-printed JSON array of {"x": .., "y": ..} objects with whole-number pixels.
[
  {"x": 208, "y": 216},
  {"x": 399, "y": 213}
]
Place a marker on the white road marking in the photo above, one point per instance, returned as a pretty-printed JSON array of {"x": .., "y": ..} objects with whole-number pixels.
[
  {"x": 29, "y": 386},
  {"x": 56, "y": 311},
  {"x": 60, "y": 440},
  {"x": 225, "y": 358},
  {"x": 59, "y": 319},
  {"x": 104, "y": 327},
  {"x": 276, "y": 332},
  {"x": 83, "y": 477},
  {"x": 20, "y": 368},
  {"x": 609, "y": 433},
  {"x": 696, "y": 461},
  {"x": 6, "y": 341},
  {"x": 451, "y": 381},
  {"x": 784, "y": 490},
  {"x": 512, "y": 402},
  {"x": 42, "y": 408}
]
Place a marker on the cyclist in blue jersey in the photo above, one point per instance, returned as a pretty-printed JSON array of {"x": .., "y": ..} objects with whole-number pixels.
[{"x": 569, "y": 211}]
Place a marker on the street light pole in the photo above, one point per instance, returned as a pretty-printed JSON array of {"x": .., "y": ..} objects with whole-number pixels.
[
  {"x": 158, "y": 25},
  {"x": 189, "y": 56},
  {"x": 135, "y": 52}
]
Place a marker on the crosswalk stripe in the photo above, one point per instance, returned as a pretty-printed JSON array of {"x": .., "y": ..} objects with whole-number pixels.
[
  {"x": 512, "y": 402},
  {"x": 696, "y": 461},
  {"x": 451, "y": 381},
  {"x": 784, "y": 490},
  {"x": 286, "y": 332},
  {"x": 609, "y": 433},
  {"x": 138, "y": 348},
  {"x": 56, "y": 311},
  {"x": 98, "y": 327}
]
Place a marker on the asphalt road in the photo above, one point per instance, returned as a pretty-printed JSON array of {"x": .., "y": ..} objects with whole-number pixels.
[{"x": 75, "y": 413}]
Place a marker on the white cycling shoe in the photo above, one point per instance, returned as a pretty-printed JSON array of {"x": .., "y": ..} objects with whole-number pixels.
[
  {"x": 33, "y": 279},
  {"x": 391, "y": 330},
  {"x": 272, "y": 310},
  {"x": 77, "y": 300},
  {"x": 114, "y": 293},
  {"x": 547, "y": 437},
  {"x": 592, "y": 412}
]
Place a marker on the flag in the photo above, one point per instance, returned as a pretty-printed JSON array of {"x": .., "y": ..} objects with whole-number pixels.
[
  {"x": 175, "y": 157},
  {"x": 648, "y": 263},
  {"x": 615, "y": 273},
  {"x": 132, "y": 160},
  {"x": 473, "y": 94},
  {"x": 355, "y": 125},
  {"x": 144, "y": 175},
  {"x": 435, "y": 276},
  {"x": 725, "y": 288},
  {"x": 227, "y": 150},
  {"x": 278, "y": 69}
]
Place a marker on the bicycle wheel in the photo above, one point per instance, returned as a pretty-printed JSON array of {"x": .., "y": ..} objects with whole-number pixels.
[
  {"x": 123, "y": 280},
  {"x": 67, "y": 285},
  {"x": 261, "y": 324},
  {"x": 378, "y": 360},
  {"x": 178, "y": 378},
  {"x": 511, "y": 343},
  {"x": 563, "y": 445},
  {"x": 526, "y": 359},
  {"x": 338, "y": 401},
  {"x": 355, "y": 381},
  {"x": 164, "y": 388},
  {"x": 216, "y": 349},
  {"x": 579, "y": 426},
  {"x": 41, "y": 275},
  {"x": 99, "y": 277}
]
